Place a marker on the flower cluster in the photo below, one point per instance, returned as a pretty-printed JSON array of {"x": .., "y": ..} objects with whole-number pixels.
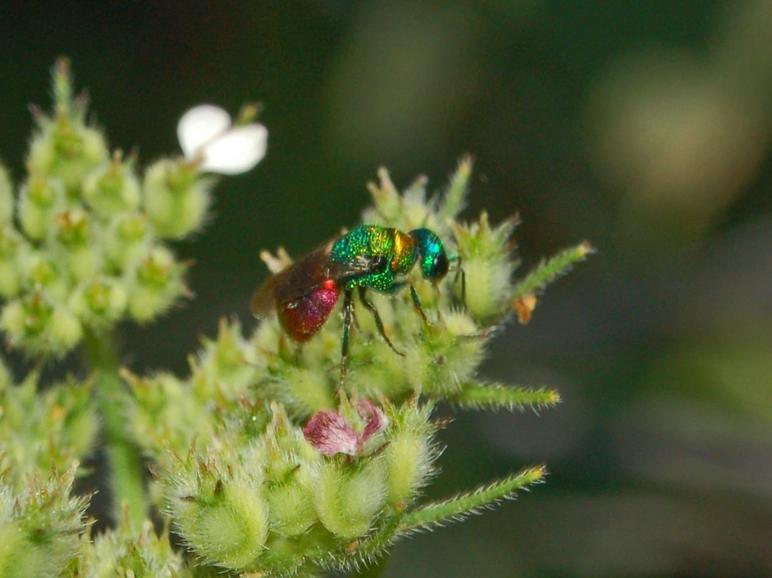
[
  {"x": 264, "y": 462},
  {"x": 285, "y": 499},
  {"x": 84, "y": 241}
]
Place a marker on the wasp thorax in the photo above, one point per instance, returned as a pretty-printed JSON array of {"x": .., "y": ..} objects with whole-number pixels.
[{"x": 434, "y": 260}]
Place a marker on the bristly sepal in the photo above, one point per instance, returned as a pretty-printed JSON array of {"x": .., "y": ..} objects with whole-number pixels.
[{"x": 463, "y": 505}]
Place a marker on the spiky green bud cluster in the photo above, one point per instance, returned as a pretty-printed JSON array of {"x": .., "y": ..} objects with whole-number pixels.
[
  {"x": 87, "y": 247},
  {"x": 40, "y": 431},
  {"x": 273, "y": 503},
  {"x": 40, "y": 526},
  {"x": 123, "y": 553}
]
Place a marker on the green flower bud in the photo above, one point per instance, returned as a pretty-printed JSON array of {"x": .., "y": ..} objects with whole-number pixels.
[
  {"x": 121, "y": 552},
  {"x": 387, "y": 202},
  {"x": 126, "y": 240},
  {"x": 69, "y": 420},
  {"x": 224, "y": 522},
  {"x": 112, "y": 188},
  {"x": 13, "y": 250},
  {"x": 26, "y": 318},
  {"x": 41, "y": 271},
  {"x": 6, "y": 197},
  {"x": 39, "y": 529},
  {"x": 64, "y": 331},
  {"x": 447, "y": 356},
  {"x": 166, "y": 416},
  {"x": 488, "y": 267},
  {"x": 38, "y": 326},
  {"x": 405, "y": 211},
  {"x": 409, "y": 453},
  {"x": 227, "y": 364},
  {"x": 41, "y": 431},
  {"x": 40, "y": 200},
  {"x": 176, "y": 198},
  {"x": 99, "y": 302},
  {"x": 288, "y": 460},
  {"x": 292, "y": 506},
  {"x": 75, "y": 236},
  {"x": 376, "y": 370},
  {"x": 349, "y": 496},
  {"x": 303, "y": 390},
  {"x": 156, "y": 285},
  {"x": 67, "y": 149}
]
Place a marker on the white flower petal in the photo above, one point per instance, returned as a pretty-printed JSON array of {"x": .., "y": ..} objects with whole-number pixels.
[
  {"x": 199, "y": 125},
  {"x": 236, "y": 151}
]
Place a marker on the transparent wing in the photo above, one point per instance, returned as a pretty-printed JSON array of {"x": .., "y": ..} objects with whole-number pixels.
[{"x": 306, "y": 275}]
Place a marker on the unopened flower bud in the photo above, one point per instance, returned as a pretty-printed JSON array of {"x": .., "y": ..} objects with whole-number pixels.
[
  {"x": 448, "y": 357},
  {"x": 176, "y": 198},
  {"x": 126, "y": 239},
  {"x": 41, "y": 199},
  {"x": 74, "y": 234},
  {"x": 123, "y": 552},
  {"x": 112, "y": 188},
  {"x": 157, "y": 284},
  {"x": 225, "y": 522},
  {"x": 13, "y": 249},
  {"x": 64, "y": 331},
  {"x": 409, "y": 454},
  {"x": 288, "y": 461},
  {"x": 38, "y": 326},
  {"x": 67, "y": 149},
  {"x": 39, "y": 528},
  {"x": 100, "y": 301},
  {"x": 348, "y": 497},
  {"x": 28, "y": 316},
  {"x": 227, "y": 363},
  {"x": 40, "y": 270},
  {"x": 488, "y": 266}
]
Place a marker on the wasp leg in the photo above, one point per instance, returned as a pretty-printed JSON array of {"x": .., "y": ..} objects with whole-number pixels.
[
  {"x": 438, "y": 297},
  {"x": 417, "y": 305},
  {"x": 378, "y": 322},
  {"x": 348, "y": 307},
  {"x": 355, "y": 321},
  {"x": 460, "y": 273}
]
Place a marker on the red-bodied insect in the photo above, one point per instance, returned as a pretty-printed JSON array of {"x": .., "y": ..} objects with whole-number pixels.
[{"x": 368, "y": 257}]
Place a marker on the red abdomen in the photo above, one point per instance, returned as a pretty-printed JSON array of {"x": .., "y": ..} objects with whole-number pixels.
[{"x": 301, "y": 318}]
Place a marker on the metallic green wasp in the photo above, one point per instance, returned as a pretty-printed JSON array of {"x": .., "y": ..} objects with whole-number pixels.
[{"x": 367, "y": 257}]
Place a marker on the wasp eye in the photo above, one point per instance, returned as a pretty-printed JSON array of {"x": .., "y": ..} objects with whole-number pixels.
[{"x": 441, "y": 265}]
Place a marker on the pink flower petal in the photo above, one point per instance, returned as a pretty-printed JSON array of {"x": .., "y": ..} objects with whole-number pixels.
[
  {"x": 377, "y": 420},
  {"x": 329, "y": 433}
]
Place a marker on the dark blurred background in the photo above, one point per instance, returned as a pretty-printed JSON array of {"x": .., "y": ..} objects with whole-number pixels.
[{"x": 642, "y": 126}]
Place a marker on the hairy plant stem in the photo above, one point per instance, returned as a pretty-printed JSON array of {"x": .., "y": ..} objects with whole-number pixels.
[{"x": 126, "y": 469}]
